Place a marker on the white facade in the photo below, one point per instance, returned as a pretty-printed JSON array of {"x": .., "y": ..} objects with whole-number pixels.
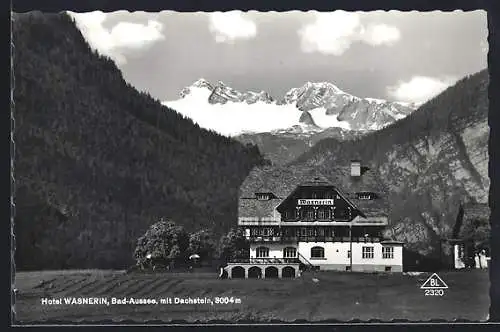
[
  {"x": 336, "y": 255},
  {"x": 458, "y": 256},
  {"x": 275, "y": 249},
  {"x": 481, "y": 261}
]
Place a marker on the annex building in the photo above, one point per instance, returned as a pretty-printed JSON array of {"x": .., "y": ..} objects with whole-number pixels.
[
  {"x": 471, "y": 251},
  {"x": 295, "y": 218}
]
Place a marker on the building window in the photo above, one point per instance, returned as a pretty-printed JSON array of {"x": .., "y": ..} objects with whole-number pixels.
[
  {"x": 256, "y": 231},
  {"x": 317, "y": 252},
  {"x": 263, "y": 197},
  {"x": 289, "y": 252},
  {"x": 266, "y": 231},
  {"x": 348, "y": 254},
  {"x": 368, "y": 252},
  {"x": 461, "y": 251},
  {"x": 366, "y": 195},
  {"x": 324, "y": 213},
  {"x": 308, "y": 214},
  {"x": 290, "y": 214},
  {"x": 310, "y": 232},
  {"x": 321, "y": 232},
  {"x": 388, "y": 252},
  {"x": 262, "y": 252},
  {"x": 303, "y": 231}
]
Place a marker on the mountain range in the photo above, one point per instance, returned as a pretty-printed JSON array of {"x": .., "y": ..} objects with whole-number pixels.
[
  {"x": 318, "y": 105},
  {"x": 283, "y": 128}
]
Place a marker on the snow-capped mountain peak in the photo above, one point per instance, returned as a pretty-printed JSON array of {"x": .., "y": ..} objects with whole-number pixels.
[
  {"x": 313, "y": 105},
  {"x": 202, "y": 83}
]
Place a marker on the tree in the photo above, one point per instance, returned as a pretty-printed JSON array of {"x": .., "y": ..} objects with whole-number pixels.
[
  {"x": 233, "y": 245},
  {"x": 202, "y": 243},
  {"x": 162, "y": 244},
  {"x": 477, "y": 232}
]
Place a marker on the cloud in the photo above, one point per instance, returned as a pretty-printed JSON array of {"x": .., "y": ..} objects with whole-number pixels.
[
  {"x": 230, "y": 26},
  {"x": 419, "y": 89},
  {"x": 380, "y": 34},
  {"x": 122, "y": 37},
  {"x": 334, "y": 33}
]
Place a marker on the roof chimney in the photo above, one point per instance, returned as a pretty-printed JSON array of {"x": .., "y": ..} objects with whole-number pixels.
[{"x": 355, "y": 168}]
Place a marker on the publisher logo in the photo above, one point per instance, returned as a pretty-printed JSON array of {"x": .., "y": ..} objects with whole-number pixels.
[{"x": 434, "y": 286}]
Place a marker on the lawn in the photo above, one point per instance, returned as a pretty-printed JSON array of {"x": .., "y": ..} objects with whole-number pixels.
[{"x": 314, "y": 297}]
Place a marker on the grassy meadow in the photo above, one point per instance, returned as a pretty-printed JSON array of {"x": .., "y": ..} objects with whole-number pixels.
[{"x": 314, "y": 297}]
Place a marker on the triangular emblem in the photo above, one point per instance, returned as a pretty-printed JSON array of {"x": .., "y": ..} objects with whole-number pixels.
[{"x": 434, "y": 282}]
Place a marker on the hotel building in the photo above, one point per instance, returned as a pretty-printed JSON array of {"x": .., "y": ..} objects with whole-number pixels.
[{"x": 295, "y": 218}]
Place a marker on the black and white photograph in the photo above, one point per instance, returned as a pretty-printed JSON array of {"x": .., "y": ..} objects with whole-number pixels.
[{"x": 250, "y": 167}]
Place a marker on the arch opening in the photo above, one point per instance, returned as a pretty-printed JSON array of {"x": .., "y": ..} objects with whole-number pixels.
[
  {"x": 254, "y": 272},
  {"x": 238, "y": 272},
  {"x": 271, "y": 272},
  {"x": 288, "y": 272}
]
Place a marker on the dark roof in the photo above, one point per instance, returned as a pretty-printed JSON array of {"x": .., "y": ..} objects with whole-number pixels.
[{"x": 282, "y": 181}]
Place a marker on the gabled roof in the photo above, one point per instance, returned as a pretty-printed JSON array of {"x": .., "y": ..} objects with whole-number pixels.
[{"x": 282, "y": 181}]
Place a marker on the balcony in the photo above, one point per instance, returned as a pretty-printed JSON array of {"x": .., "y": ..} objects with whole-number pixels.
[
  {"x": 357, "y": 239},
  {"x": 275, "y": 261},
  {"x": 311, "y": 220},
  {"x": 264, "y": 238},
  {"x": 258, "y": 221},
  {"x": 273, "y": 239},
  {"x": 316, "y": 238},
  {"x": 295, "y": 239},
  {"x": 289, "y": 239}
]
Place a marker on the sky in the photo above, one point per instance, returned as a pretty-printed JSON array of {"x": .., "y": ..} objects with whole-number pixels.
[{"x": 399, "y": 56}]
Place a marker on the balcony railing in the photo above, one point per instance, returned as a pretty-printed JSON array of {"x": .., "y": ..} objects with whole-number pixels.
[
  {"x": 258, "y": 221},
  {"x": 282, "y": 239},
  {"x": 338, "y": 219},
  {"x": 266, "y": 261},
  {"x": 289, "y": 239}
]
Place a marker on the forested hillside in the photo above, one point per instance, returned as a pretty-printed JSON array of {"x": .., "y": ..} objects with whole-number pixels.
[
  {"x": 97, "y": 161},
  {"x": 431, "y": 161}
]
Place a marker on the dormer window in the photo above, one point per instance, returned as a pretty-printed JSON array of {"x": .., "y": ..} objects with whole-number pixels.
[
  {"x": 264, "y": 196},
  {"x": 366, "y": 195}
]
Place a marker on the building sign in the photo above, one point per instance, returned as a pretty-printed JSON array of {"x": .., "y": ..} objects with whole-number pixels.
[{"x": 315, "y": 202}]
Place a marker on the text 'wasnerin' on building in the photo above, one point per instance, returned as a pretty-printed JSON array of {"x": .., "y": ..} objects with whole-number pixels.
[{"x": 297, "y": 218}]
